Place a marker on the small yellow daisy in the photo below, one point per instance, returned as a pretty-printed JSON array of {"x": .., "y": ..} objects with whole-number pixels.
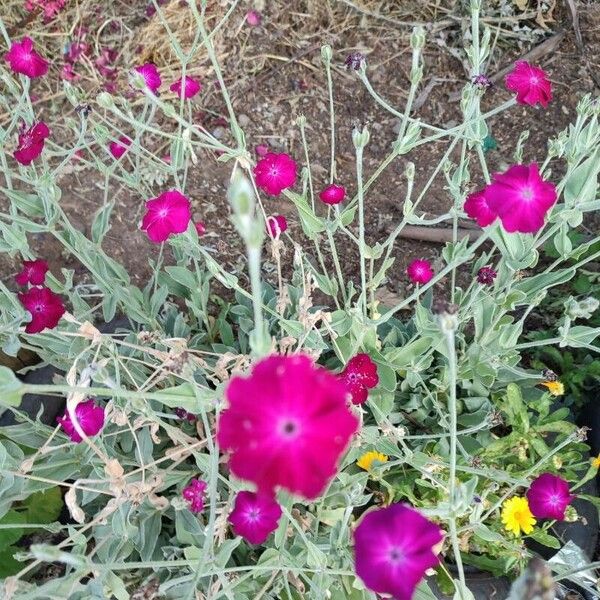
[
  {"x": 517, "y": 516},
  {"x": 556, "y": 388},
  {"x": 368, "y": 459},
  {"x": 596, "y": 462}
]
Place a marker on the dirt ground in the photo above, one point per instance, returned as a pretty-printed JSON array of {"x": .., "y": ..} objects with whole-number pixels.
[{"x": 274, "y": 74}]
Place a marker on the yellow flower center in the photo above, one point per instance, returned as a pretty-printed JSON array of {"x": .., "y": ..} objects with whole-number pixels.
[{"x": 369, "y": 459}]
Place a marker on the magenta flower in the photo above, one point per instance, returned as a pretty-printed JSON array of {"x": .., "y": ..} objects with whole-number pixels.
[
  {"x": 31, "y": 143},
  {"x": 333, "y": 194},
  {"x": 118, "y": 148},
  {"x": 33, "y": 272},
  {"x": 275, "y": 172},
  {"x": 359, "y": 376},
  {"x": 167, "y": 214},
  {"x": 521, "y": 198},
  {"x": 477, "y": 208},
  {"x": 253, "y": 18},
  {"x": 287, "y": 425},
  {"x": 151, "y": 76},
  {"x": 200, "y": 228},
  {"x": 276, "y": 225},
  {"x": 193, "y": 494},
  {"x": 393, "y": 548},
  {"x": 549, "y": 496},
  {"x": 530, "y": 83},
  {"x": 486, "y": 275},
  {"x": 190, "y": 88},
  {"x": 90, "y": 418},
  {"x": 45, "y": 307},
  {"x": 420, "y": 271},
  {"x": 254, "y": 516},
  {"x": 25, "y": 60},
  {"x": 262, "y": 149},
  {"x": 50, "y": 8}
]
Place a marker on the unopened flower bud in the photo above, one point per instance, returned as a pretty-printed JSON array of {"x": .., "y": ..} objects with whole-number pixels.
[
  {"x": 417, "y": 38},
  {"x": 326, "y": 53},
  {"x": 360, "y": 138}
]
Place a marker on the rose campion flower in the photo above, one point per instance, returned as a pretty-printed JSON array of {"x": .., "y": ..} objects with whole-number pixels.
[
  {"x": 200, "y": 228},
  {"x": 23, "y": 59},
  {"x": 169, "y": 213},
  {"x": 486, "y": 275},
  {"x": 420, "y": 271},
  {"x": 276, "y": 225},
  {"x": 90, "y": 418},
  {"x": 151, "y": 76},
  {"x": 549, "y": 496},
  {"x": 193, "y": 494},
  {"x": 33, "y": 272},
  {"x": 359, "y": 376},
  {"x": 275, "y": 172},
  {"x": 254, "y": 516},
  {"x": 253, "y": 18},
  {"x": 262, "y": 149},
  {"x": 118, "y": 148},
  {"x": 521, "y": 198},
  {"x": 286, "y": 425},
  {"x": 530, "y": 83},
  {"x": 333, "y": 194},
  {"x": 190, "y": 88},
  {"x": 477, "y": 208},
  {"x": 31, "y": 143},
  {"x": 45, "y": 307},
  {"x": 393, "y": 549}
]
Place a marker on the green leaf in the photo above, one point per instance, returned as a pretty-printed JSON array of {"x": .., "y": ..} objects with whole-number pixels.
[
  {"x": 544, "y": 538},
  {"x": 516, "y": 409},
  {"x": 581, "y": 184},
  {"x": 9, "y": 536},
  {"x": 183, "y": 276},
  {"x": 311, "y": 224},
  {"x": 44, "y": 507},
  {"x": 8, "y": 564},
  {"x": 348, "y": 216},
  {"x": 11, "y": 389},
  {"x": 532, "y": 285},
  {"x": 401, "y": 358},
  {"x": 101, "y": 222}
]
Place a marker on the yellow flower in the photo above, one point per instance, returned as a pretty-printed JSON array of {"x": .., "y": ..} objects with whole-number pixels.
[
  {"x": 516, "y": 516},
  {"x": 596, "y": 462},
  {"x": 367, "y": 460},
  {"x": 556, "y": 388}
]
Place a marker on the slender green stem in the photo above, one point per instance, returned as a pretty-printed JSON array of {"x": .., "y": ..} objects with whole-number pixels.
[
  {"x": 361, "y": 228},
  {"x": 450, "y": 344}
]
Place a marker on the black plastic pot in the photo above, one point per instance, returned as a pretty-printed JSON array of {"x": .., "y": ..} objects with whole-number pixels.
[
  {"x": 52, "y": 406},
  {"x": 483, "y": 585}
]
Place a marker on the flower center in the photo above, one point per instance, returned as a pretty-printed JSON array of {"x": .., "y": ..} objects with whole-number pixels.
[
  {"x": 289, "y": 428},
  {"x": 554, "y": 500},
  {"x": 163, "y": 212},
  {"x": 39, "y": 308},
  {"x": 527, "y": 193},
  {"x": 395, "y": 555},
  {"x": 534, "y": 80},
  {"x": 253, "y": 514},
  {"x": 274, "y": 172}
]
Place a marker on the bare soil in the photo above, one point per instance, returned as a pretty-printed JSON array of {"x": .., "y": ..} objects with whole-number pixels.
[{"x": 284, "y": 79}]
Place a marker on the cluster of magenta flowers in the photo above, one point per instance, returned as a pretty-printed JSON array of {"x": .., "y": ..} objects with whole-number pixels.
[{"x": 45, "y": 307}]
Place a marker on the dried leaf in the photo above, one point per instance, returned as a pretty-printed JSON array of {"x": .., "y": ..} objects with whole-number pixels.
[{"x": 74, "y": 509}]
